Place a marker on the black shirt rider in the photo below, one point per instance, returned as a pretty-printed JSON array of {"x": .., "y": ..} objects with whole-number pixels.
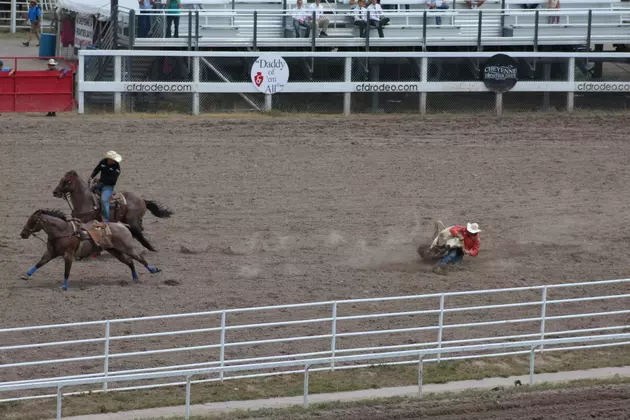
[{"x": 109, "y": 169}]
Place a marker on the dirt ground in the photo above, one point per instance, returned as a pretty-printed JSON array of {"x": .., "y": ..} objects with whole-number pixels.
[
  {"x": 289, "y": 210},
  {"x": 601, "y": 402}
]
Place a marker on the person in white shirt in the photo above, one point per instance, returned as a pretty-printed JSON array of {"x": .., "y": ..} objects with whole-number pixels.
[
  {"x": 359, "y": 12},
  {"x": 376, "y": 17},
  {"x": 320, "y": 21},
  {"x": 437, "y": 4},
  {"x": 300, "y": 20}
]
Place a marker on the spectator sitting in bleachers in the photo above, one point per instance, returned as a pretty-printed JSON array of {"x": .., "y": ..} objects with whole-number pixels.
[
  {"x": 554, "y": 4},
  {"x": 376, "y": 17},
  {"x": 300, "y": 20},
  {"x": 473, "y": 5},
  {"x": 320, "y": 21},
  {"x": 437, "y": 4},
  {"x": 359, "y": 13}
]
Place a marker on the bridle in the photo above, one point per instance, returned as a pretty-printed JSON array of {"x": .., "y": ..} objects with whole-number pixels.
[
  {"x": 39, "y": 220},
  {"x": 68, "y": 195}
]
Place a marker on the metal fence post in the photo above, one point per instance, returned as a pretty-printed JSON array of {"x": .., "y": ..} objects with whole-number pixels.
[
  {"x": 305, "y": 402},
  {"x": 13, "y": 16},
  {"x": 347, "y": 101},
  {"x": 420, "y": 374},
  {"x": 132, "y": 28},
  {"x": 424, "y": 76},
  {"x": 536, "y": 19},
  {"x": 81, "y": 77},
  {"x": 424, "y": 31},
  {"x": 333, "y": 339},
  {"x": 498, "y": 103},
  {"x": 196, "y": 79},
  {"x": 106, "y": 360},
  {"x": 268, "y": 102},
  {"x": 117, "y": 78},
  {"x": 255, "y": 40},
  {"x": 441, "y": 326},
  {"x": 589, "y": 29},
  {"x": 571, "y": 77},
  {"x": 479, "y": 26},
  {"x": 532, "y": 358},
  {"x": 59, "y": 401},
  {"x": 187, "y": 397},
  {"x": 543, "y": 314},
  {"x": 222, "y": 351}
]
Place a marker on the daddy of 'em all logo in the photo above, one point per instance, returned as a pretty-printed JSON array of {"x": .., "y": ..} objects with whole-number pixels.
[
  {"x": 270, "y": 73},
  {"x": 500, "y": 73}
]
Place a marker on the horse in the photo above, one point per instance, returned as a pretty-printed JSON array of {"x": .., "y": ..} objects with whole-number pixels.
[
  {"x": 128, "y": 207},
  {"x": 73, "y": 240}
]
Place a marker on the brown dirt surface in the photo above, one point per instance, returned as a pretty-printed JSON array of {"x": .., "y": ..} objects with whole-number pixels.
[
  {"x": 601, "y": 402},
  {"x": 286, "y": 210}
]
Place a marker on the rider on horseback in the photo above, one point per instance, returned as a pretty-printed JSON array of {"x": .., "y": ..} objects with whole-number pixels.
[{"x": 110, "y": 170}]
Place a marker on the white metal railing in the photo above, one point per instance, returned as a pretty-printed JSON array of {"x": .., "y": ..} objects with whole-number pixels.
[
  {"x": 345, "y": 81},
  {"x": 418, "y": 357},
  {"x": 12, "y": 18},
  {"x": 322, "y": 329}
]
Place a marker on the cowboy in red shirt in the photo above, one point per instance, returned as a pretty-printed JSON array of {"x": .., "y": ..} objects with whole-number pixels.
[{"x": 469, "y": 235}]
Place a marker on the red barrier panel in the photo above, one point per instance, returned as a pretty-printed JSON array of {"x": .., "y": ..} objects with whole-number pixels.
[{"x": 36, "y": 90}]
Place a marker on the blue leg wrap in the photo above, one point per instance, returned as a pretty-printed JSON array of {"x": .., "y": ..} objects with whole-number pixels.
[
  {"x": 65, "y": 284},
  {"x": 152, "y": 269},
  {"x": 31, "y": 271},
  {"x": 134, "y": 276}
]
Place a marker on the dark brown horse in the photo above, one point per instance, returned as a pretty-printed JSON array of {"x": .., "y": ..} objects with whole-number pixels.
[
  {"x": 73, "y": 240},
  {"x": 85, "y": 206}
]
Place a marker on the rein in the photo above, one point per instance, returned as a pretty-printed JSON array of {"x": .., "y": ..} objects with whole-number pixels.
[{"x": 72, "y": 222}]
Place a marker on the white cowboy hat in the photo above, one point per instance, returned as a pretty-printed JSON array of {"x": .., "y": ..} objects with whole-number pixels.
[
  {"x": 473, "y": 228},
  {"x": 113, "y": 156},
  {"x": 52, "y": 62}
]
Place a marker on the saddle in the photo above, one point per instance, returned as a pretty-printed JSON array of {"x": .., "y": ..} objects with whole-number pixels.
[
  {"x": 117, "y": 203},
  {"x": 100, "y": 233}
]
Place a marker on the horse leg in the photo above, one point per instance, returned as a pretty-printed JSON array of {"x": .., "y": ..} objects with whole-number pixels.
[
  {"x": 144, "y": 262},
  {"x": 68, "y": 257},
  {"x": 123, "y": 258},
  {"x": 46, "y": 258}
]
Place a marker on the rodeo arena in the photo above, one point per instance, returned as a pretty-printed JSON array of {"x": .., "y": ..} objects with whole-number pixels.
[{"x": 314, "y": 209}]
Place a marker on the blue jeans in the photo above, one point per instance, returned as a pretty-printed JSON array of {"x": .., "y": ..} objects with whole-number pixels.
[
  {"x": 454, "y": 256},
  {"x": 438, "y": 19},
  {"x": 106, "y": 193}
]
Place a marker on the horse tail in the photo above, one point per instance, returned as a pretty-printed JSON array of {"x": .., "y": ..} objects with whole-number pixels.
[
  {"x": 139, "y": 236},
  {"x": 157, "y": 209}
]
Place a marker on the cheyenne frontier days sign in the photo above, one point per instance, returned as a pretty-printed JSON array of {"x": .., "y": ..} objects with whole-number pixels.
[
  {"x": 270, "y": 73},
  {"x": 500, "y": 73}
]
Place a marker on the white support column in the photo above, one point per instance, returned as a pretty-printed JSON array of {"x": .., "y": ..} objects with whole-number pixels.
[
  {"x": 424, "y": 71},
  {"x": 13, "y": 16},
  {"x": 196, "y": 78},
  {"x": 81, "y": 76},
  {"x": 570, "y": 94},
  {"x": 117, "y": 78},
  {"x": 347, "y": 78},
  {"x": 498, "y": 103},
  {"x": 268, "y": 102}
]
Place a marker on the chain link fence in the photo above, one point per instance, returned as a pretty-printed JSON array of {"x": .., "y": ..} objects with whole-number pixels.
[{"x": 362, "y": 79}]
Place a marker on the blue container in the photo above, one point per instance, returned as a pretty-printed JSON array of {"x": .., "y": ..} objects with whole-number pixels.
[{"x": 47, "y": 45}]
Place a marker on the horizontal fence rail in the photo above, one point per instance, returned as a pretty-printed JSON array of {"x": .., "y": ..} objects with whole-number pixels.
[
  {"x": 255, "y": 342},
  {"x": 346, "y": 76}
]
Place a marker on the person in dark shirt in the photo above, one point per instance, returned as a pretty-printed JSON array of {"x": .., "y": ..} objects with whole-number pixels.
[{"x": 110, "y": 170}]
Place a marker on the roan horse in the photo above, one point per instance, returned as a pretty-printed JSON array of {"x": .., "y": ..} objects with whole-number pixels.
[
  {"x": 73, "y": 240},
  {"x": 85, "y": 206}
]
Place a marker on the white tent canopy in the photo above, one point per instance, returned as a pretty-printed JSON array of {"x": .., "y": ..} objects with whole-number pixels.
[{"x": 95, "y": 7}]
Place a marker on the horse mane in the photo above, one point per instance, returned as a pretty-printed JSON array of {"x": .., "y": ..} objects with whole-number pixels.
[{"x": 55, "y": 213}]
